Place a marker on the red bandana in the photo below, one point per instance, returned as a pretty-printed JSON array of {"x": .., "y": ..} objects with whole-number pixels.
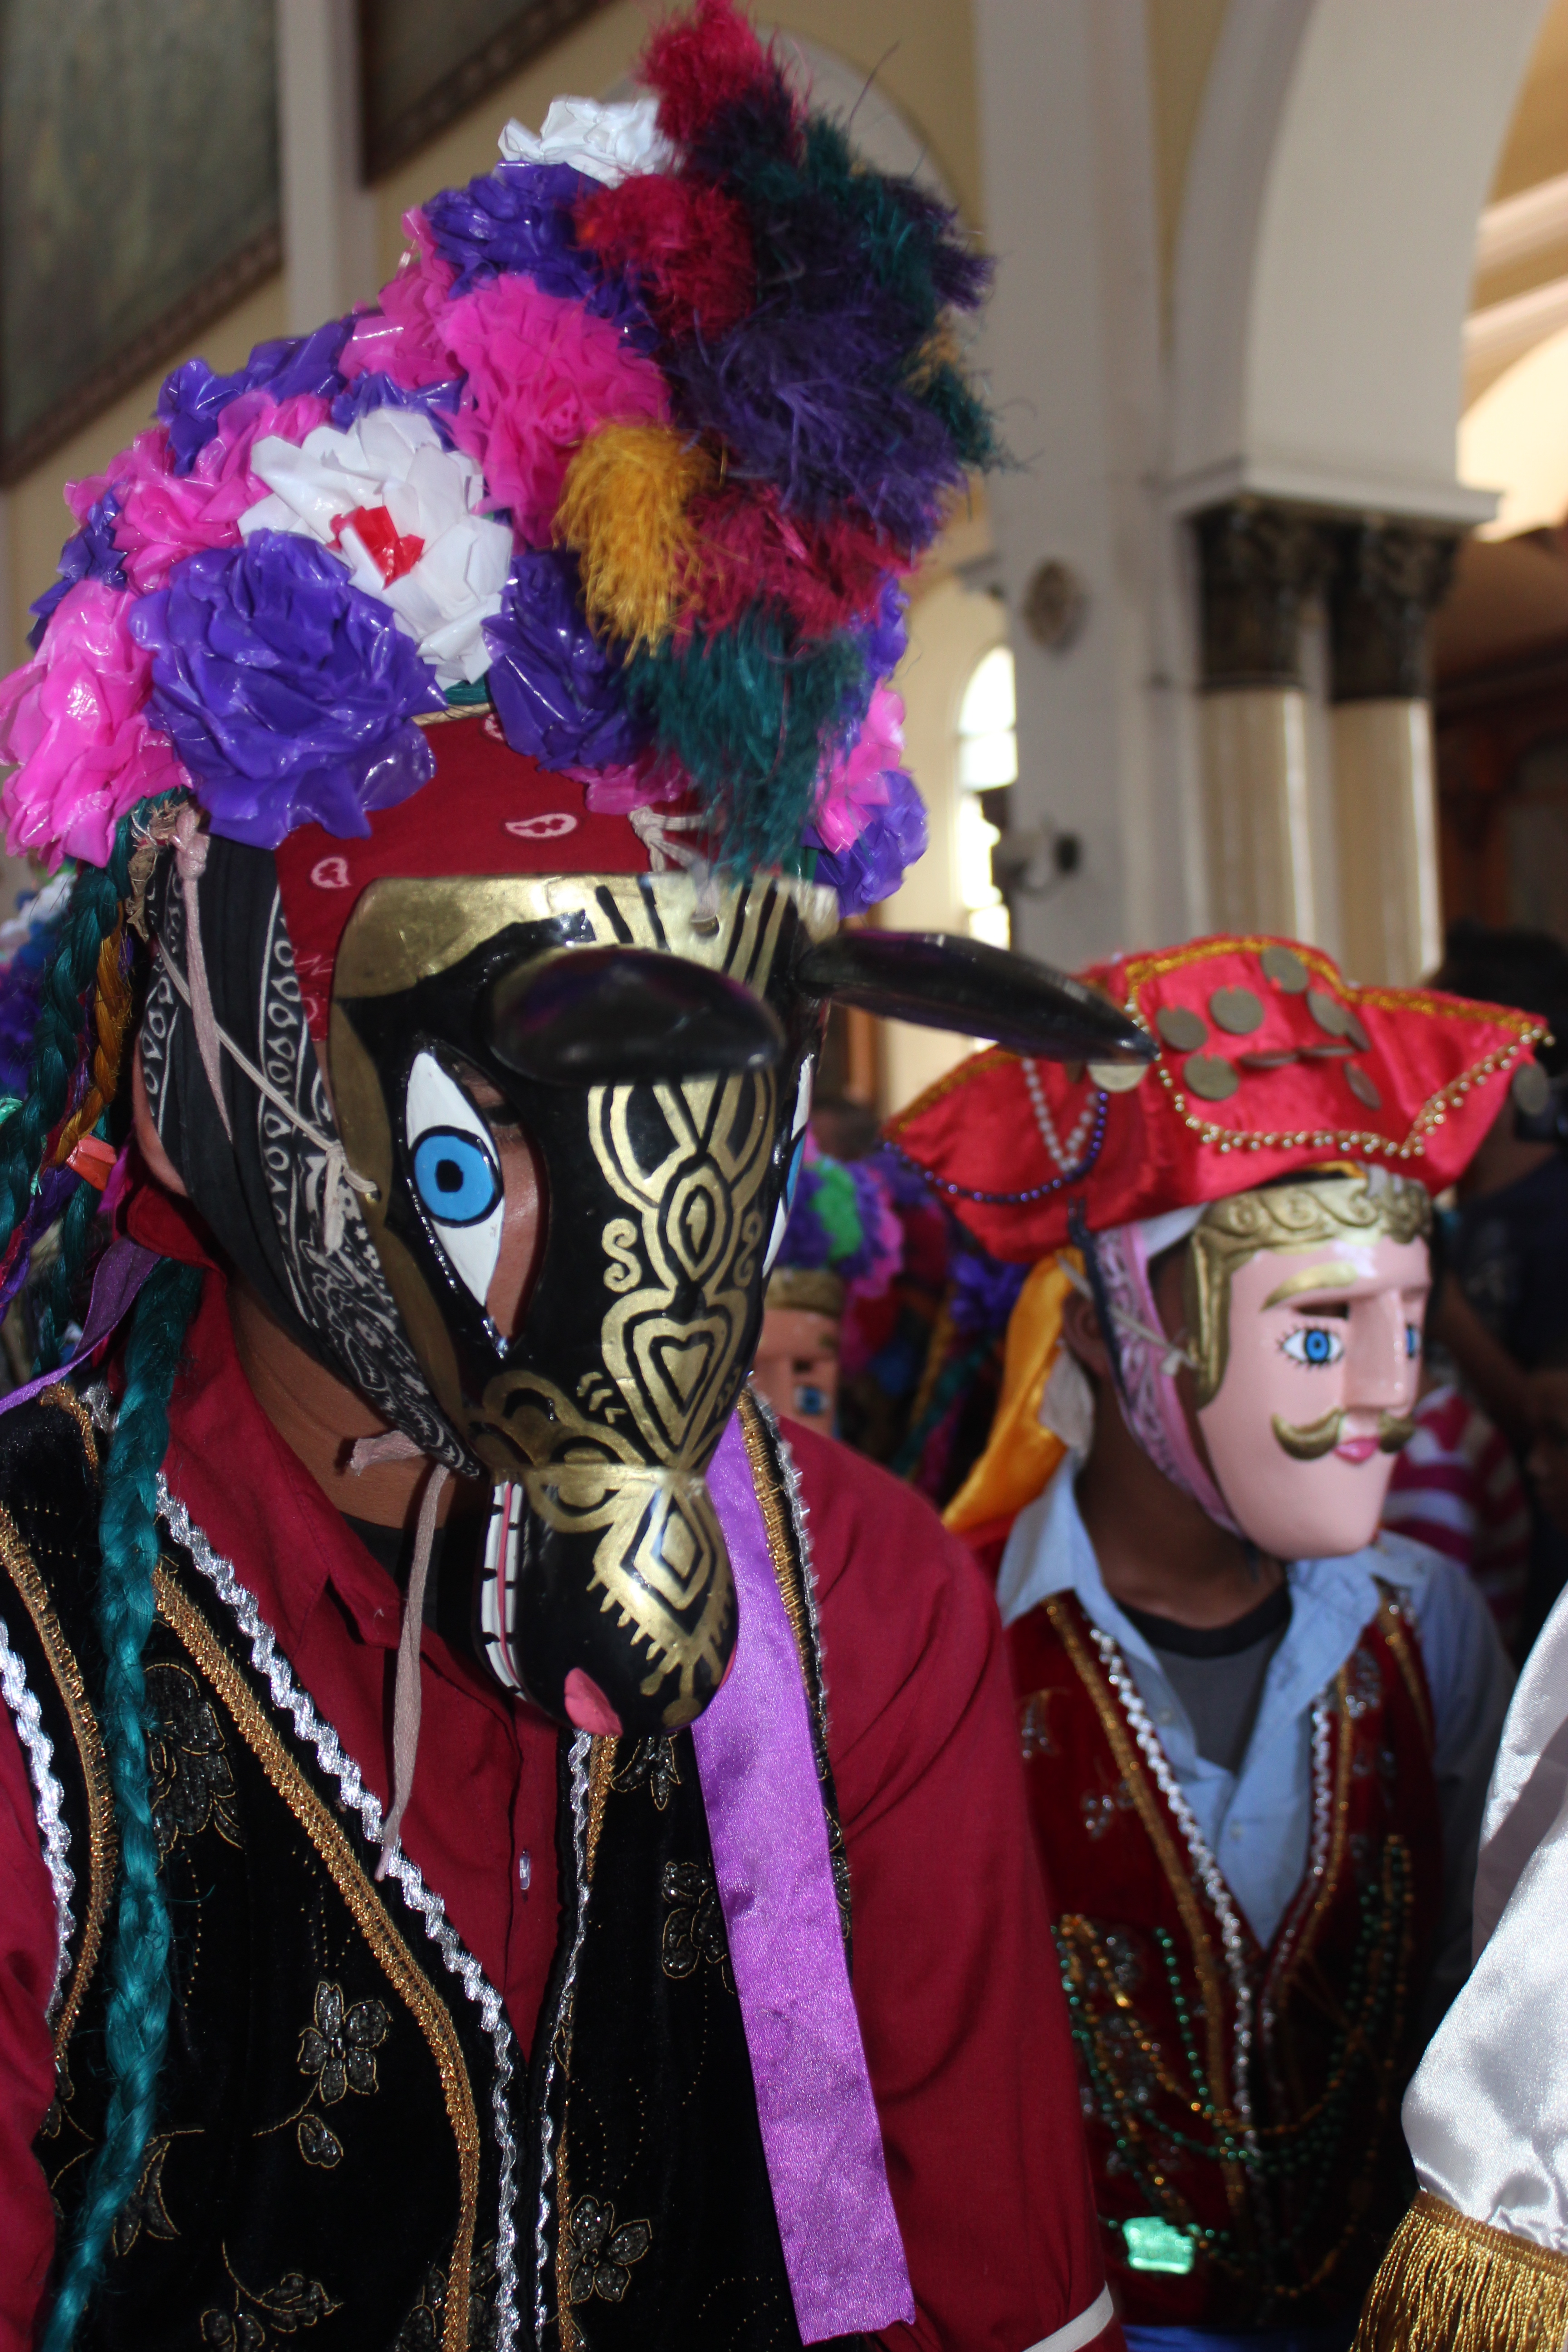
[{"x": 487, "y": 810}]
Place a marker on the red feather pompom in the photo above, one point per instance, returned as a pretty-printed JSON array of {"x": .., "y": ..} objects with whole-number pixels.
[
  {"x": 686, "y": 244},
  {"x": 700, "y": 63},
  {"x": 749, "y": 552}
]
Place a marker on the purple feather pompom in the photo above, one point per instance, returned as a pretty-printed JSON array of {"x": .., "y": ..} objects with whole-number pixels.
[
  {"x": 814, "y": 403},
  {"x": 558, "y": 694},
  {"x": 194, "y": 398},
  {"x": 287, "y": 692},
  {"x": 90, "y": 554},
  {"x": 872, "y": 868}
]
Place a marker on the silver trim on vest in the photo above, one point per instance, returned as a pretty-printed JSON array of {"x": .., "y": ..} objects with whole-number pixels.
[{"x": 53, "y": 1834}]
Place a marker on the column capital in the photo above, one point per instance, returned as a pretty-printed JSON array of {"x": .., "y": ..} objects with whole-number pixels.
[
  {"x": 1386, "y": 581},
  {"x": 1257, "y": 564}
]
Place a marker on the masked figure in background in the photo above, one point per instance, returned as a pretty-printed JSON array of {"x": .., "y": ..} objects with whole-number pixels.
[
  {"x": 1256, "y": 1736},
  {"x": 468, "y": 724},
  {"x": 841, "y": 1246}
]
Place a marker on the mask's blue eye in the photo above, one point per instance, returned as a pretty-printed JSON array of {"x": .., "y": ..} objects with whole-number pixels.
[
  {"x": 455, "y": 1178},
  {"x": 1413, "y": 1338},
  {"x": 1314, "y": 1345}
]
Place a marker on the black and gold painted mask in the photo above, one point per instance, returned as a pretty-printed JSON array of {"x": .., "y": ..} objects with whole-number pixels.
[{"x": 654, "y": 1043}]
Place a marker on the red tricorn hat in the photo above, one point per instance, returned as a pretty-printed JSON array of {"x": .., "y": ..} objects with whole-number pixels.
[{"x": 1269, "y": 1063}]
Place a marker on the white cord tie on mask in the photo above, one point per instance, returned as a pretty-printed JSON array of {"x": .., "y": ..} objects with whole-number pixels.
[
  {"x": 331, "y": 1176},
  {"x": 1173, "y": 1355},
  {"x": 655, "y": 829}
]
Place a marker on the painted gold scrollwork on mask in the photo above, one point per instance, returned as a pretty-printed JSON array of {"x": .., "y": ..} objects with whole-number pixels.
[{"x": 1316, "y": 1212}]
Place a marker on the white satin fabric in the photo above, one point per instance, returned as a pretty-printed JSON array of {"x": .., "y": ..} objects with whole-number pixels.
[{"x": 1487, "y": 2115}]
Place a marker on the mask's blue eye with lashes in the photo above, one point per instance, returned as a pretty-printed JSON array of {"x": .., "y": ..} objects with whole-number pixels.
[
  {"x": 1413, "y": 1338},
  {"x": 1314, "y": 1345},
  {"x": 455, "y": 1178}
]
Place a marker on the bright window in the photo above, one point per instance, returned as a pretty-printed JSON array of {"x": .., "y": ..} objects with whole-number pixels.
[{"x": 987, "y": 763}]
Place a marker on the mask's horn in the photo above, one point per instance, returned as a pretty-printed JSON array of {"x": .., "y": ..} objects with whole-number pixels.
[
  {"x": 943, "y": 982},
  {"x": 614, "y": 1016}
]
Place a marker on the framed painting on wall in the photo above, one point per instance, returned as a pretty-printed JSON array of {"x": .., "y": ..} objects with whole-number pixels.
[
  {"x": 139, "y": 196},
  {"x": 421, "y": 66}
]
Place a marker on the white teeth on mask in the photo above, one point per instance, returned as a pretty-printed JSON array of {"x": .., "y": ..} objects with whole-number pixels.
[
  {"x": 498, "y": 1583},
  {"x": 455, "y": 1176},
  {"x": 797, "y": 1133}
]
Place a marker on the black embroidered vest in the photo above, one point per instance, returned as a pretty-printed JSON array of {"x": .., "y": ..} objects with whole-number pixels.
[{"x": 349, "y": 2143}]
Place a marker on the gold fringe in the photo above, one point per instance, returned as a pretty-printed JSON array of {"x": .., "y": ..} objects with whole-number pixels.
[{"x": 1450, "y": 2285}]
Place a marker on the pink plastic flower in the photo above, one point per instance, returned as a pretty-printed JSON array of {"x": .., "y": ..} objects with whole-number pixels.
[
  {"x": 542, "y": 373},
  {"x": 855, "y": 781},
  {"x": 648, "y": 782},
  {"x": 404, "y": 339},
  {"x": 165, "y": 516},
  {"x": 74, "y": 717}
]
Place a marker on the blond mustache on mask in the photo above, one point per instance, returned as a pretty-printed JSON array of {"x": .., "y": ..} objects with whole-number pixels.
[{"x": 1310, "y": 1441}]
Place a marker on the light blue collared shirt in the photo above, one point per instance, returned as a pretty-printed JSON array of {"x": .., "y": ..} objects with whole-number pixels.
[{"x": 1257, "y": 1822}]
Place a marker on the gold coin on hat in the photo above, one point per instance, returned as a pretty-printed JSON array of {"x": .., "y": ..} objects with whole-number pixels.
[
  {"x": 1210, "y": 1076},
  {"x": 1284, "y": 967},
  {"x": 1119, "y": 1077},
  {"x": 1531, "y": 1088},
  {"x": 1181, "y": 1027},
  {"x": 1355, "y": 1030},
  {"x": 1363, "y": 1087},
  {"x": 1236, "y": 1010},
  {"x": 1327, "y": 1012}
]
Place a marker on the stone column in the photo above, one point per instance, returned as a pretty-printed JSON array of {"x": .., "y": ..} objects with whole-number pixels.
[
  {"x": 1257, "y": 564},
  {"x": 1386, "y": 580}
]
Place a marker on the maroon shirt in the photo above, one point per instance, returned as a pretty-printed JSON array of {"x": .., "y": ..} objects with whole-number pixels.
[{"x": 955, "y": 1980}]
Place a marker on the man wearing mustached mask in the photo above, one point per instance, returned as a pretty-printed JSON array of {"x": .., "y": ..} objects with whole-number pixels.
[
  {"x": 456, "y": 1747},
  {"x": 1256, "y": 1733}
]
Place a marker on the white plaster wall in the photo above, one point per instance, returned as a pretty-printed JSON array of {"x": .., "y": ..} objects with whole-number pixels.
[
  {"x": 1341, "y": 163},
  {"x": 1072, "y": 344}
]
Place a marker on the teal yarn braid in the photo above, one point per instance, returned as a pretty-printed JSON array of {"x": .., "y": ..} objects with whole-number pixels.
[
  {"x": 136, "y": 2023},
  {"x": 76, "y": 1229},
  {"x": 60, "y": 1038}
]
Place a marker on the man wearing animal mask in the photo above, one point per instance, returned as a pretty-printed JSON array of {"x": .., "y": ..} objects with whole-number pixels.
[
  {"x": 499, "y": 1846},
  {"x": 1256, "y": 1734}
]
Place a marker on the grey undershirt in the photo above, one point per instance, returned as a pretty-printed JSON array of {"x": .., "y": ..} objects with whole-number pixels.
[{"x": 1217, "y": 1672}]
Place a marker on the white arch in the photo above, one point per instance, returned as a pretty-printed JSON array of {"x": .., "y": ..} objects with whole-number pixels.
[{"x": 1326, "y": 250}]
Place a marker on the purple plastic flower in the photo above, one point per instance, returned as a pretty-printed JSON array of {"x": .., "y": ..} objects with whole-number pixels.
[
  {"x": 558, "y": 693},
  {"x": 884, "y": 638},
  {"x": 378, "y": 390},
  {"x": 193, "y": 397},
  {"x": 90, "y": 554},
  {"x": 289, "y": 692},
  {"x": 872, "y": 868},
  {"x": 519, "y": 218}
]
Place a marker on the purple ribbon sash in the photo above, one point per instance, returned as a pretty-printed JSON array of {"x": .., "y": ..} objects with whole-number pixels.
[
  {"x": 823, "y": 2146},
  {"x": 121, "y": 1271}
]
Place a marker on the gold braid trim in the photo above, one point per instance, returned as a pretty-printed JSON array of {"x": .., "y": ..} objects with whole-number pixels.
[
  {"x": 777, "y": 1527},
  {"x": 1394, "y": 1625},
  {"x": 1450, "y": 2285},
  {"x": 370, "y": 1914}
]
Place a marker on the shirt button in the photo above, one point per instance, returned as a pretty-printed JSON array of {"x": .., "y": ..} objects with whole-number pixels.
[
  {"x": 1165, "y": 1715},
  {"x": 1235, "y": 1829},
  {"x": 525, "y": 1870}
]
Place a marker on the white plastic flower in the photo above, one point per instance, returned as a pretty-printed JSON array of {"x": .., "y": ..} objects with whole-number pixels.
[
  {"x": 400, "y": 510},
  {"x": 609, "y": 142}
]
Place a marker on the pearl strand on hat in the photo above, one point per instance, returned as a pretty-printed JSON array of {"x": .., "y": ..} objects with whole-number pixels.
[{"x": 1065, "y": 1155}]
